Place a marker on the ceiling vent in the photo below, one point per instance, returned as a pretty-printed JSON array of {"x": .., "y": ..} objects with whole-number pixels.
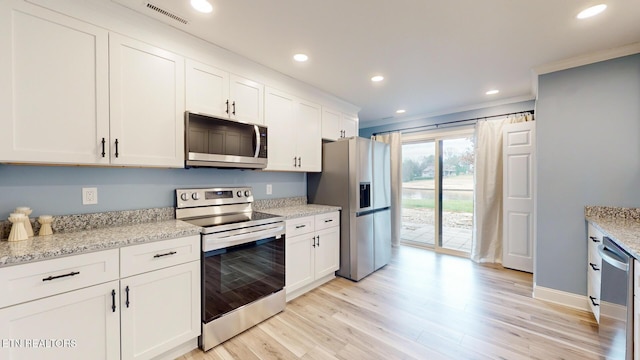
[{"x": 167, "y": 13}]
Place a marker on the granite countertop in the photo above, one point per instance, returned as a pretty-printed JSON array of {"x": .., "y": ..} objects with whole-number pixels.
[
  {"x": 622, "y": 225},
  {"x": 77, "y": 242},
  {"x": 296, "y": 211}
]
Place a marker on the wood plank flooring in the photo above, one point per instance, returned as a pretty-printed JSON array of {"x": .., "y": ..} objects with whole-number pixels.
[{"x": 423, "y": 305}]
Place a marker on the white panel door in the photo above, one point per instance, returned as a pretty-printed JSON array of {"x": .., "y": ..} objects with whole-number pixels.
[
  {"x": 247, "y": 100},
  {"x": 83, "y": 324},
  {"x": 331, "y": 124},
  {"x": 349, "y": 125},
  {"x": 307, "y": 126},
  {"x": 299, "y": 257},
  {"x": 279, "y": 112},
  {"x": 327, "y": 251},
  {"x": 518, "y": 188},
  {"x": 54, "y": 86},
  {"x": 147, "y": 104},
  {"x": 160, "y": 310},
  {"x": 207, "y": 89}
]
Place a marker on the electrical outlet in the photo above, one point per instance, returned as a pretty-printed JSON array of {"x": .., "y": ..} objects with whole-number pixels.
[
  {"x": 269, "y": 189},
  {"x": 89, "y": 196}
]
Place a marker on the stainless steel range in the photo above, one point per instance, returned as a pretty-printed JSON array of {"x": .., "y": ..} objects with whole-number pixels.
[{"x": 242, "y": 260}]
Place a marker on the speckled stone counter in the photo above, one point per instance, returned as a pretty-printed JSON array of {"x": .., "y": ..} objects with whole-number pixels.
[
  {"x": 260, "y": 205},
  {"x": 622, "y": 225},
  {"x": 72, "y": 243},
  {"x": 292, "y": 212}
]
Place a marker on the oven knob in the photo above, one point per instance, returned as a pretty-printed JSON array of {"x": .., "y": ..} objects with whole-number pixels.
[
  {"x": 239, "y": 193},
  {"x": 195, "y": 196},
  {"x": 247, "y": 193},
  {"x": 184, "y": 196}
]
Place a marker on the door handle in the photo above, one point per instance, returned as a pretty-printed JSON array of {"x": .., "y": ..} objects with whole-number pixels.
[
  {"x": 593, "y": 301},
  {"x": 234, "y": 108},
  {"x": 126, "y": 290},
  {"x": 116, "y": 147},
  {"x": 294, "y": 162},
  {"x": 113, "y": 300},
  {"x": 73, "y": 273},
  {"x": 103, "y": 141},
  {"x": 594, "y": 267},
  {"x": 313, "y": 243},
  {"x": 299, "y": 162},
  {"x": 318, "y": 240},
  {"x": 227, "y": 103},
  {"x": 594, "y": 239}
]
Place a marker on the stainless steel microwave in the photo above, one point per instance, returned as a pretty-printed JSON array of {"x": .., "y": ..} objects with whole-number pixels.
[{"x": 215, "y": 142}]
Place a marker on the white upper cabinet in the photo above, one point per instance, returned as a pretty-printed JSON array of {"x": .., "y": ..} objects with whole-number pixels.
[
  {"x": 54, "y": 85},
  {"x": 216, "y": 92},
  {"x": 336, "y": 125},
  {"x": 294, "y": 133},
  {"x": 147, "y": 104}
]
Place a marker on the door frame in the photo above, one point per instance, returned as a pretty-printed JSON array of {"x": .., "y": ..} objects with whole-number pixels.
[{"x": 437, "y": 136}]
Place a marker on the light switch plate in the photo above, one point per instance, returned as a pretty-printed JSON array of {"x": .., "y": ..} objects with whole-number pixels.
[
  {"x": 89, "y": 196},
  {"x": 269, "y": 189}
]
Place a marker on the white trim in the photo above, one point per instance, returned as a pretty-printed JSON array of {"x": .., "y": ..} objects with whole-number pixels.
[
  {"x": 561, "y": 297},
  {"x": 611, "y": 310},
  {"x": 586, "y": 59}
]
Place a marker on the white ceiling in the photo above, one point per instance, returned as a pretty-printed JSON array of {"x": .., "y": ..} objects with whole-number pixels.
[{"x": 436, "y": 56}]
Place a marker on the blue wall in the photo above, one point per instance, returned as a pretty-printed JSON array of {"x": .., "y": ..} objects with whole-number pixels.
[
  {"x": 472, "y": 114},
  {"x": 57, "y": 190},
  {"x": 588, "y": 141}
]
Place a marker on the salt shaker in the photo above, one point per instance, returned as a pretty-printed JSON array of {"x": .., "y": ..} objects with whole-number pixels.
[
  {"x": 27, "y": 222},
  {"x": 45, "y": 225},
  {"x": 18, "y": 231}
]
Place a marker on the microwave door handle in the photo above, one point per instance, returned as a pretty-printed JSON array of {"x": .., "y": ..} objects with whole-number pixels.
[{"x": 257, "y": 130}]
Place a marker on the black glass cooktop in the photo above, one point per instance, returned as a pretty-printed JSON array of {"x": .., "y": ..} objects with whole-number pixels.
[{"x": 227, "y": 219}]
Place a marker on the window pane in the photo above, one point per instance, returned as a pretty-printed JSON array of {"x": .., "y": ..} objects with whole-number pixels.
[{"x": 418, "y": 193}]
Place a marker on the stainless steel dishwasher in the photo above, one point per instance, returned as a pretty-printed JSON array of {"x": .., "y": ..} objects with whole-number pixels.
[{"x": 616, "y": 295}]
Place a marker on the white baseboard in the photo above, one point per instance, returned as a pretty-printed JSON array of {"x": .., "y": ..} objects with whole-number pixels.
[
  {"x": 294, "y": 294},
  {"x": 561, "y": 297},
  {"x": 612, "y": 310},
  {"x": 179, "y": 350}
]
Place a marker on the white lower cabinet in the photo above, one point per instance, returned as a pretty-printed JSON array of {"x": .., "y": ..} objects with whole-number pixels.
[
  {"x": 78, "y": 307},
  {"x": 312, "y": 252},
  {"x": 594, "y": 266},
  {"x": 160, "y": 310},
  {"x": 81, "y": 324}
]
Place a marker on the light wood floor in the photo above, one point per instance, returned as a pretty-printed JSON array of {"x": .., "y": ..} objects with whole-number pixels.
[{"x": 422, "y": 306}]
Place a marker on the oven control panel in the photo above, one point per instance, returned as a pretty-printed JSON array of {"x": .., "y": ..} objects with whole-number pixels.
[{"x": 186, "y": 198}]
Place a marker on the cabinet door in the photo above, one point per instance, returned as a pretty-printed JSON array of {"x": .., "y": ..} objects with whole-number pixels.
[
  {"x": 147, "y": 104},
  {"x": 279, "y": 119},
  {"x": 299, "y": 261},
  {"x": 207, "y": 89},
  {"x": 83, "y": 324},
  {"x": 247, "y": 100},
  {"x": 309, "y": 142},
  {"x": 327, "y": 252},
  {"x": 54, "y": 87},
  {"x": 350, "y": 125},
  {"x": 160, "y": 310},
  {"x": 331, "y": 129}
]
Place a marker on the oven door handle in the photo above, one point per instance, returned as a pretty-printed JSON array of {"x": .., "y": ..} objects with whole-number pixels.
[{"x": 220, "y": 242}]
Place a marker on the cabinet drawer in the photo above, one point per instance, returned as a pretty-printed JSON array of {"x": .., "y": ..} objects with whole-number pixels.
[
  {"x": 325, "y": 221},
  {"x": 300, "y": 226},
  {"x": 21, "y": 283},
  {"x": 138, "y": 259}
]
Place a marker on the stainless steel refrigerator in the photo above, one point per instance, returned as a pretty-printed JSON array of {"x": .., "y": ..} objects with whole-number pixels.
[{"x": 356, "y": 176}]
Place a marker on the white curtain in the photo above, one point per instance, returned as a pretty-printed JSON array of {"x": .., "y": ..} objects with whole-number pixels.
[
  {"x": 487, "y": 234},
  {"x": 395, "y": 143}
]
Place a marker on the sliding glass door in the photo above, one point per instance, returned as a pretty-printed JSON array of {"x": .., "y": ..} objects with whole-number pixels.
[{"x": 437, "y": 191}]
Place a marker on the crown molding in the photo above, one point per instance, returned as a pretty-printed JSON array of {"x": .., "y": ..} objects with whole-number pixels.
[{"x": 587, "y": 59}]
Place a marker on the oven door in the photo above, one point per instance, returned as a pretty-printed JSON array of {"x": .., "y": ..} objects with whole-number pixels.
[
  {"x": 216, "y": 142},
  {"x": 238, "y": 275}
]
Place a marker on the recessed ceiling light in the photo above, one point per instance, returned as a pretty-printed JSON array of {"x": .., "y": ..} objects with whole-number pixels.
[
  {"x": 377, "y": 78},
  {"x": 592, "y": 11},
  {"x": 202, "y": 6},
  {"x": 492, "y": 92},
  {"x": 300, "y": 57},
  {"x": 401, "y": 111}
]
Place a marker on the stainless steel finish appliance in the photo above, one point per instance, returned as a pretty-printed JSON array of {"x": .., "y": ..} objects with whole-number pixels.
[
  {"x": 242, "y": 260},
  {"x": 356, "y": 176},
  {"x": 215, "y": 142},
  {"x": 616, "y": 299}
]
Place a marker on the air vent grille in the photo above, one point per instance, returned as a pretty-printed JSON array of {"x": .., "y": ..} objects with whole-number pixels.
[{"x": 167, "y": 13}]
